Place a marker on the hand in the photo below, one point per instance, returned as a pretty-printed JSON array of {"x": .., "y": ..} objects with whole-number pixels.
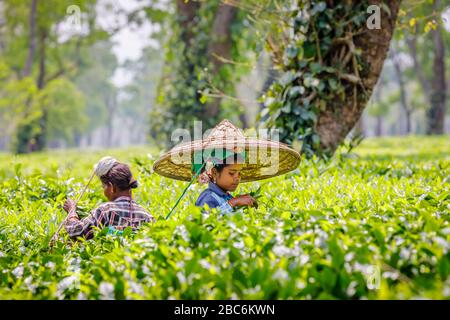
[
  {"x": 69, "y": 205},
  {"x": 244, "y": 200}
]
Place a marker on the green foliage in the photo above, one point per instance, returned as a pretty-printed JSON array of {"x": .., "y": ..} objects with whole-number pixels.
[
  {"x": 179, "y": 98},
  {"x": 43, "y": 104},
  {"x": 14, "y": 95},
  {"x": 22, "y": 105},
  {"x": 312, "y": 81},
  {"x": 64, "y": 105},
  {"x": 317, "y": 232},
  {"x": 189, "y": 82}
]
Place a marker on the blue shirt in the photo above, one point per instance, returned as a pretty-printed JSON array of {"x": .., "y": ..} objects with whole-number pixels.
[{"x": 215, "y": 197}]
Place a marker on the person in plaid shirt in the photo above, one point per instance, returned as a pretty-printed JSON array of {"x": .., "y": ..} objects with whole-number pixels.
[{"x": 119, "y": 213}]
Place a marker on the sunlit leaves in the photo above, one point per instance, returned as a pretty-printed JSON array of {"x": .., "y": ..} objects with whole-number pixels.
[{"x": 374, "y": 225}]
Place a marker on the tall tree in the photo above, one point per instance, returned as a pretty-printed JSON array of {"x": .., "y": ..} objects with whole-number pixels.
[
  {"x": 220, "y": 47},
  {"x": 438, "y": 93},
  {"x": 32, "y": 40},
  {"x": 331, "y": 62},
  {"x": 34, "y": 50},
  {"x": 434, "y": 84},
  {"x": 196, "y": 63},
  {"x": 402, "y": 87}
]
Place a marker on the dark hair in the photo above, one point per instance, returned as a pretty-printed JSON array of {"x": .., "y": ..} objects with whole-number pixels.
[{"x": 120, "y": 176}]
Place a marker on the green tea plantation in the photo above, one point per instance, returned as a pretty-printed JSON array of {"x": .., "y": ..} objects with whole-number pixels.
[{"x": 370, "y": 224}]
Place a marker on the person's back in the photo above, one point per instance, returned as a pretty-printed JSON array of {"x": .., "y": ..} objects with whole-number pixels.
[{"x": 119, "y": 213}]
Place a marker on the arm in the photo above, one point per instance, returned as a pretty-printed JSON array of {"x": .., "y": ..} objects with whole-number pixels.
[
  {"x": 243, "y": 200},
  {"x": 77, "y": 227}
]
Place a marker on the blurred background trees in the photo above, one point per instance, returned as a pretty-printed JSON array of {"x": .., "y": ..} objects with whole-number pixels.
[{"x": 105, "y": 73}]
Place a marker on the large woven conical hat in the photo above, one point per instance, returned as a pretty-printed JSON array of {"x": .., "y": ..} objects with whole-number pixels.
[{"x": 264, "y": 158}]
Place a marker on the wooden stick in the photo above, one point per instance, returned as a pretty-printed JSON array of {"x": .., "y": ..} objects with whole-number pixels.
[{"x": 55, "y": 236}]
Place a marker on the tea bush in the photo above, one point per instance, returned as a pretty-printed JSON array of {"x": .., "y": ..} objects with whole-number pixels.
[{"x": 373, "y": 224}]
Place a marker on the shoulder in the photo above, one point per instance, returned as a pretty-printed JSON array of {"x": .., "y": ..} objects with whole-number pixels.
[
  {"x": 142, "y": 211},
  {"x": 206, "y": 197},
  {"x": 103, "y": 207}
]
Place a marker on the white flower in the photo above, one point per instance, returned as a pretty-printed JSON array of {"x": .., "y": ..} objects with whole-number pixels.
[
  {"x": 239, "y": 245},
  {"x": 304, "y": 259},
  {"x": 66, "y": 283},
  {"x": 136, "y": 288},
  {"x": 281, "y": 250},
  {"x": 81, "y": 296},
  {"x": 181, "y": 229},
  {"x": 205, "y": 264},
  {"x": 280, "y": 274},
  {"x": 405, "y": 253},
  {"x": 234, "y": 296},
  {"x": 28, "y": 282},
  {"x": 18, "y": 272},
  {"x": 300, "y": 284},
  {"x": 349, "y": 256},
  {"x": 253, "y": 291},
  {"x": 50, "y": 265},
  {"x": 106, "y": 290},
  {"x": 181, "y": 277},
  {"x": 351, "y": 289}
]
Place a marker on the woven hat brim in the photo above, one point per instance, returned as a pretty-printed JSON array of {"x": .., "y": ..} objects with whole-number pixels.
[{"x": 266, "y": 158}]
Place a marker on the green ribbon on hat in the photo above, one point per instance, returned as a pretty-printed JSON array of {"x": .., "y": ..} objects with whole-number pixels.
[{"x": 217, "y": 156}]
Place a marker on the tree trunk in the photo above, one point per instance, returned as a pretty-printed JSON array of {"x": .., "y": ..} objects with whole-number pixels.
[
  {"x": 379, "y": 116},
  {"x": 359, "y": 127},
  {"x": 187, "y": 11},
  {"x": 436, "y": 92},
  {"x": 41, "y": 138},
  {"x": 379, "y": 126},
  {"x": 401, "y": 85},
  {"x": 412, "y": 44},
  {"x": 332, "y": 127},
  {"x": 111, "y": 107},
  {"x": 23, "y": 132},
  {"x": 243, "y": 119},
  {"x": 220, "y": 47},
  {"x": 89, "y": 139},
  {"x": 32, "y": 44},
  {"x": 77, "y": 138},
  {"x": 436, "y": 113}
]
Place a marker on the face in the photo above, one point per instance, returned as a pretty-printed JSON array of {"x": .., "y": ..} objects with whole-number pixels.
[{"x": 230, "y": 176}]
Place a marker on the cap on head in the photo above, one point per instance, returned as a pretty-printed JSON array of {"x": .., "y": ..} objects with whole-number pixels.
[{"x": 104, "y": 165}]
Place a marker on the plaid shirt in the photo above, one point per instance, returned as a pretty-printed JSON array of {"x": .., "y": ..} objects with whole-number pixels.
[{"x": 121, "y": 213}]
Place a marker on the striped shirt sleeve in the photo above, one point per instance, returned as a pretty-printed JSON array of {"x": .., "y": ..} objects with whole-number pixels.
[{"x": 77, "y": 227}]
